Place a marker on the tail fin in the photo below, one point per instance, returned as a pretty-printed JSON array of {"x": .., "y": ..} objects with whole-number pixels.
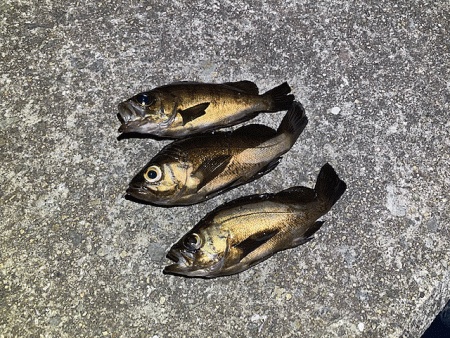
[
  {"x": 294, "y": 122},
  {"x": 329, "y": 186},
  {"x": 279, "y": 97}
]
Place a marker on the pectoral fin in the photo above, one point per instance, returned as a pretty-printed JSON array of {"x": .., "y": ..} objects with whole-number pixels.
[
  {"x": 211, "y": 168},
  {"x": 253, "y": 242},
  {"x": 194, "y": 112}
]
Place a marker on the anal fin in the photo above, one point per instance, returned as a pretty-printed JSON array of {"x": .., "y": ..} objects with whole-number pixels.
[
  {"x": 307, "y": 235},
  {"x": 267, "y": 168}
]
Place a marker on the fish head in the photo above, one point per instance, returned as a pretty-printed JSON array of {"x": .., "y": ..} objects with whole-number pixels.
[
  {"x": 198, "y": 254},
  {"x": 145, "y": 113},
  {"x": 160, "y": 183}
]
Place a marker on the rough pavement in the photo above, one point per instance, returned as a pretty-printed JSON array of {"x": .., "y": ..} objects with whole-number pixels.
[{"x": 78, "y": 260}]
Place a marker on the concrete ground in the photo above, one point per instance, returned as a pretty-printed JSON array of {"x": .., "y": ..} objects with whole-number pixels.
[{"x": 79, "y": 260}]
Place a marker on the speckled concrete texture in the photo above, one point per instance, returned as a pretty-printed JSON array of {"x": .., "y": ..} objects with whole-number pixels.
[{"x": 79, "y": 260}]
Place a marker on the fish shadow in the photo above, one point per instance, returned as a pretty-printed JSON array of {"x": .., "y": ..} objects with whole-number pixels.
[
  {"x": 135, "y": 200},
  {"x": 126, "y": 136}
]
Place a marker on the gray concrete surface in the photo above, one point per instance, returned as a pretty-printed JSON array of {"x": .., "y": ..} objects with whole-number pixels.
[{"x": 78, "y": 260}]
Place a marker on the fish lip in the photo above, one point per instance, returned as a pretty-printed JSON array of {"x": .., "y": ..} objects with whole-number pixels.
[
  {"x": 182, "y": 262},
  {"x": 125, "y": 113},
  {"x": 172, "y": 269},
  {"x": 129, "y": 109},
  {"x": 133, "y": 188},
  {"x": 180, "y": 256},
  {"x": 172, "y": 256},
  {"x": 130, "y": 116},
  {"x": 179, "y": 264},
  {"x": 129, "y": 127},
  {"x": 140, "y": 192}
]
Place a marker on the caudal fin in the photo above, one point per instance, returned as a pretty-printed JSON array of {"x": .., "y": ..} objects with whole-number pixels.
[
  {"x": 293, "y": 122},
  {"x": 329, "y": 186},
  {"x": 279, "y": 97}
]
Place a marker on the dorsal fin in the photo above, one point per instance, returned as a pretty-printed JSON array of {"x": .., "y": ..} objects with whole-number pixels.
[
  {"x": 301, "y": 195},
  {"x": 256, "y": 130},
  {"x": 245, "y": 86}
]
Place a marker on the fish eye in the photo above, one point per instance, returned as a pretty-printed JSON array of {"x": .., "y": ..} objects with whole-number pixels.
[
  {"x": 192, "y": 242},
  {"x": 143, "y": 99},
  {"x": 153, "y": 174}
]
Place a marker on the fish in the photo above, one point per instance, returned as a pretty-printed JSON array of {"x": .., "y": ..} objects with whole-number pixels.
[
  {"x": 244, "y": 232},
  {"x": 197, "y": 168},
  {"x": 187, "y": 108}
]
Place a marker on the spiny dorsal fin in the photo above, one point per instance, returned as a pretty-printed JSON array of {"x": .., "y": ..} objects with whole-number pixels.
[
  {"x": 245, "y": 86},
  {"x": 192, "y": 113}
]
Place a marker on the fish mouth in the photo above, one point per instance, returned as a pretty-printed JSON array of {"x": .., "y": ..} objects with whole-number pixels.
[
  {"x": 180, "y": 257},
  {"x": 140, "y": 192},
  {"x": 147, "y": 195},
  {"x": 172, "y": 256},
  {"x": 181, "y": 263},
  {"x": 130, "y": 117},
  {"x": 173, "y": 269},
  {"x": 135, "y": 119},
  {"x": 184, "y": 265},
  {"x": 129, "y": 112}
]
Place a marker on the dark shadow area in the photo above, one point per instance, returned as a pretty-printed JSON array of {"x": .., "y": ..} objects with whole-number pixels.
[
  {"x": 136, "y": 200},
  {"x": 126, "y": 136},
  {"x": 440, "y": 327}
]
